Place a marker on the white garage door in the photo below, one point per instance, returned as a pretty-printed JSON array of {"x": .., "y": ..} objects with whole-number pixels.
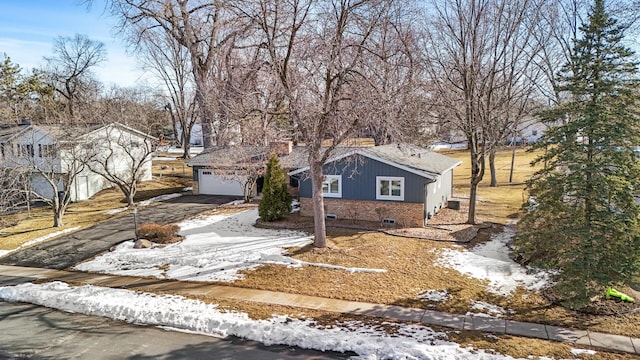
[{"x": 212, "y": 184}]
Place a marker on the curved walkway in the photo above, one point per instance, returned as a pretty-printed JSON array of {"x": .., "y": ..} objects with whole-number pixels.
[{"x": 12, "y": 275}]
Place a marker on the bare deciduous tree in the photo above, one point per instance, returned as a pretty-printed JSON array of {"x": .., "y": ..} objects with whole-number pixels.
[
  {"x": 123, "y": 147},
  {"x": 55, "y": 166},
  {"x": 170, "y": 62},
  {"x": 70, "y": 70},
  {"x": 122, "y": 155},
  {"x": 320, "y": 52},
  {"x": 208, "y": 30},
  {"x": 477, "y": 59}
]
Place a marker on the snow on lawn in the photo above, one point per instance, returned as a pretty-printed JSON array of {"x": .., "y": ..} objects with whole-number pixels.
[
  {"x": 148, "y": 202},
  {"x": 487, "y": 309},
  {"x": 40, "y": 239},
  {"x": 215, "y": 248},
  {"x": 435, "y": 295},
  {"x": 491, "y": 261},
  {"x": 158, "y": 199},
  {"x": 369, "y": 342},
  {"x": 582, "y": 351}
]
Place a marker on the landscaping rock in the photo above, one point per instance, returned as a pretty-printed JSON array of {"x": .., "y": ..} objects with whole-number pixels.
[{"x": 142, "y": 244}]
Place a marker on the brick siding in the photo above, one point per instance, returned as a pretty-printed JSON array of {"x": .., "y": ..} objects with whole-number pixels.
[{"x": 405, "y": 214}]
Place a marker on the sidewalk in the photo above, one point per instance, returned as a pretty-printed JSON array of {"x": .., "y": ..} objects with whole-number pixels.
[{"x": 12, "y": 275}]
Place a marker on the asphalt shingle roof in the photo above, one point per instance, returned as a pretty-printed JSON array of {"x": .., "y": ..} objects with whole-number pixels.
[{"x": 417, "y": 159}]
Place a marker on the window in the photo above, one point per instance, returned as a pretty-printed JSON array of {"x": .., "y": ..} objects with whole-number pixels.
[
  {"x": 46, "y": 150},
  {"x": 332, "y": 186},
  {"x": 389, "y": 188},
  {"x": 25, "y": 150}
]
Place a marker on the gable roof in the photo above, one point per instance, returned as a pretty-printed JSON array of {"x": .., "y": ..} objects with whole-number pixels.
[
  {"x": 228, "y": 156},
  {"x": 8, "y": 132},
  {"x": 123, "y": 127},
  {"x": 231, "y": 155},
  {"x": 411, "y": 158}
]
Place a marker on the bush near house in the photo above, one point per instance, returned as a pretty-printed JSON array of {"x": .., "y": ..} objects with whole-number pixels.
[
  {"x": 159, "y": 234},
  {"x": 276, "y": 200}
]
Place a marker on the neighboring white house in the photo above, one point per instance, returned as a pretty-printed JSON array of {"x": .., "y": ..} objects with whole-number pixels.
[{"x": 58, "y": 150}]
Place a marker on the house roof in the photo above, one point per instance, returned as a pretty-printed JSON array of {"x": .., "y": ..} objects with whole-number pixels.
[
  {"x": 61, "y": 132},
  {"x": 408, "y": 157},
  {"x": 233, "y": 155},
  {"x": 8, "y": 132}
]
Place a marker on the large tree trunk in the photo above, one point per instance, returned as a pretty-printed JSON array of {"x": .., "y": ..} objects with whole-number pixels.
[
  {"x": 477, "y": 173},
  {"x": 58, "y": 213},
  {"x": 129, "y": 193},
  {"x": 513, "y": 161},
  {"x": 473, "y": 197},
  {"x": 318, "y": 206},
  {"x": 492, "y": 167},
  {"x": 186, "y": 142}
]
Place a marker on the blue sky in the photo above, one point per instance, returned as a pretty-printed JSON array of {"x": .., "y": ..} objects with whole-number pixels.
[{"x": 28, "y": 29}]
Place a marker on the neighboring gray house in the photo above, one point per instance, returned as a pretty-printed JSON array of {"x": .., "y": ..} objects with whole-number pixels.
[
  {"x": 54, "y": 149},
  {"x": 400, "y": 184}
]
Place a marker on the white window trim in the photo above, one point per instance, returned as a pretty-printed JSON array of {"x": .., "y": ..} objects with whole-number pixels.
[
  {"x": 327, "y": 178},
  {"x": 389, "y": 197}
]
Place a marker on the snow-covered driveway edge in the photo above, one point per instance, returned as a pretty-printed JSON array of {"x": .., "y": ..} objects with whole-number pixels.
[{"x": 408, "y": 342}]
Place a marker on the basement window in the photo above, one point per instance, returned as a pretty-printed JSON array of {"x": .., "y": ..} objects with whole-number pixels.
[
  {"x": 388, "y": 221},
  {"x": 331, "y": 216}
]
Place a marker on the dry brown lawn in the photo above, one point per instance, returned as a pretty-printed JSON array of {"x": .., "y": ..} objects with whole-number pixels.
[
  {"x": 81, "y": 214},
  {"x": 504, "y": 201},
  {"x": 412, "y": 265}
]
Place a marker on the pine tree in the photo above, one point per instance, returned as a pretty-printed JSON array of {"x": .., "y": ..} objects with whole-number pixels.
[
  {"x": 276, "y": 200},
  {"x": 586, "y": 224}
]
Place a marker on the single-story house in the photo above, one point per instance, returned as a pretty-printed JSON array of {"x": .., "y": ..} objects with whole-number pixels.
[
  {"x": 397, "y": 184},
  {"x": 54, "y": 149},
  {"x": 227, "y": 170}
]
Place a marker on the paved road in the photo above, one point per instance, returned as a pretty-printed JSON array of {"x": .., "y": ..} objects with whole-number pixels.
[
  {"x": 30, "y": 331},
  {"x": 71, "y": 249}
]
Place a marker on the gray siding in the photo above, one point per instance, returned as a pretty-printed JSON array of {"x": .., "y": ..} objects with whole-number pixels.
[
  {"x": 438, "y": 193},
  {"x": 359, "y": 180}
]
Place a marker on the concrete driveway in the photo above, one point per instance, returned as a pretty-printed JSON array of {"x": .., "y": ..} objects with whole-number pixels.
[{"x": 71, "y": 249}]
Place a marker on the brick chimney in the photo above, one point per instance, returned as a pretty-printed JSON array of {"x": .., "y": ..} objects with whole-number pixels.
[{"x": 281, "y": 148}]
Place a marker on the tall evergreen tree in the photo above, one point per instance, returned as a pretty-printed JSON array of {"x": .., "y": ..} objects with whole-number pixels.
[
  {"x": 276, "y": 200},
  {"x": 586, "y": 223}
]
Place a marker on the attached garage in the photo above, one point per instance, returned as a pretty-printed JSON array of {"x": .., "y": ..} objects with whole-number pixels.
[{"x": 212, "y": 184}]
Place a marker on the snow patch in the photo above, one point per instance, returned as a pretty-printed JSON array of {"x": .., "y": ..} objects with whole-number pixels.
[
  {"x": 369, "y": 342},
  {"x": 158, "y": 199},
  {"x": 164, "y": 158},
  {"x": 582, "y": 351},
  {"x": 215, "y": 248},
  {"x": 486, "y": 308},
  {"x": 490, "y": 261},
  {"x": 435, "y": 295},
  {"x": 115, "y": 211}
]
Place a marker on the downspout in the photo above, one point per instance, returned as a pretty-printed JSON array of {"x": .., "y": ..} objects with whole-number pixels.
[{"x": 424, "y": 205}]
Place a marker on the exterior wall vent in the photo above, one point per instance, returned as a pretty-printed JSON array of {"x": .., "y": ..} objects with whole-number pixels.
[
  {"x": 388, "y": 221},
  {"x": 331, "y": 216}
]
